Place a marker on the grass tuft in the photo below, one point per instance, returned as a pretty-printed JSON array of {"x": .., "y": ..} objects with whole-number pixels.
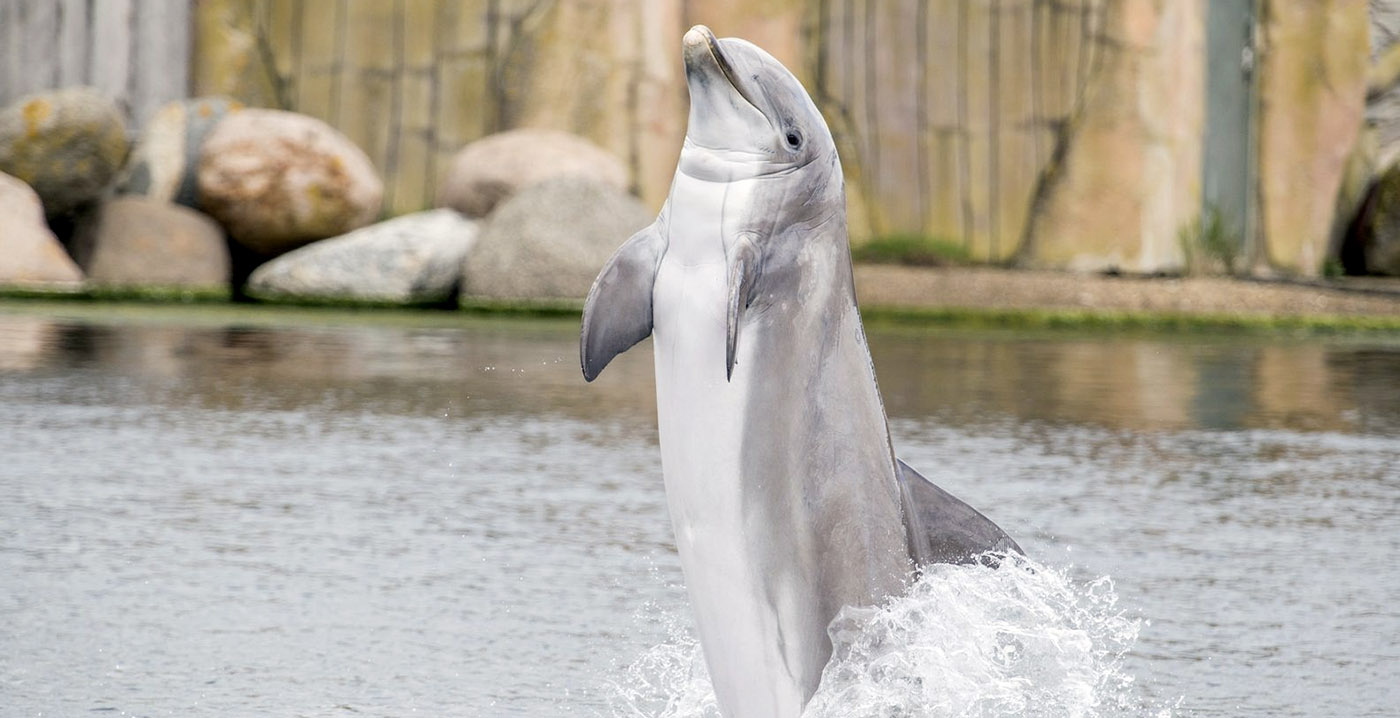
[{"x": 914, "y": 250}]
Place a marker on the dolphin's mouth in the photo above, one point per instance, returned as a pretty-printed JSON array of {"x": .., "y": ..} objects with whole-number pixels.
[{"x": 699, "y": 34}]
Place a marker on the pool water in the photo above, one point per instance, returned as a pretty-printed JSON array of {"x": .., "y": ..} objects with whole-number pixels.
[{"x": 253, "y": 512}]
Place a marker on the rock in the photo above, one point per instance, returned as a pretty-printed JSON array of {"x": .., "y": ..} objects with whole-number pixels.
[
  {"x": 163, "y": 165},
  {"x": 67, "y": 145},
  {"x": 413, "y": 259},
  {"x": 490, "y": 170},
  {"x": 277, "y": 180},
  {"x": 144, "y": 242},
  {"x": 1372, "y": 245},
  {"x": 30, "y": 254},
  {"x": 550, "y": 239}
]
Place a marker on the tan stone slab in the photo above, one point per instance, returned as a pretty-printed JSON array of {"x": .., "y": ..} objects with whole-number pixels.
[{"x": 988, "y": 288}]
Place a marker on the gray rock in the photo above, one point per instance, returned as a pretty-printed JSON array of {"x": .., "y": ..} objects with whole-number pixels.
[
  {"x": 490, "y": 170},
  {"x": 164, "y": 162},
  {"x": 413, "y": 259},
  {"x": 67, "y": 145},
  {"x": 30, "y": 254},
  {"x": 1377, "y": 236},
  {"x": 550, "y": 240},
  {"x": 144, "y": 242},
  {"x": 277, "y": 180}
]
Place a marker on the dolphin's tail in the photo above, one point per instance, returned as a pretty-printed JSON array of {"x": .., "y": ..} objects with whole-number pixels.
[{"x": 941, "y": 528}]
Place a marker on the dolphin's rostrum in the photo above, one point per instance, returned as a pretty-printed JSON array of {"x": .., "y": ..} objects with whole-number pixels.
[{"x": 784, "y": 492}]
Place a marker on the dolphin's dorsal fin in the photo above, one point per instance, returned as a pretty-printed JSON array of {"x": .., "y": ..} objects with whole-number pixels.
[
  {"x": 617, "y": 313},
  {"x": 941, "y": 528}
]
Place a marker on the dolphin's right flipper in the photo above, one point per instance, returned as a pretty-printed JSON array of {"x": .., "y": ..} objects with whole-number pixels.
[
  {"x": 941, "y": 528},
  {"x": 617, "y": 313}
]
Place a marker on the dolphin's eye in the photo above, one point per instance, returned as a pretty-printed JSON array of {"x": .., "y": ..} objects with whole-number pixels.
[{"x": 794, "y": 140}]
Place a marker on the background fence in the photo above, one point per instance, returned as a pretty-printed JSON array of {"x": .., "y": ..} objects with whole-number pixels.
[{"x": 946, "y": 112}]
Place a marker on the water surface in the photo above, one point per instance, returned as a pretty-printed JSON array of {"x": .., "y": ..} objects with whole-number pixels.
[{"x": 205, "y": 512}]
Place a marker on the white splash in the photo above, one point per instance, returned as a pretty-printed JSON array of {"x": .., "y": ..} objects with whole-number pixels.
[{"x": 1018, "y": 640}]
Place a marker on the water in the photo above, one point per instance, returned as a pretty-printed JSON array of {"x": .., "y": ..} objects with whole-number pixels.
[{"x": 214, "y": 512}]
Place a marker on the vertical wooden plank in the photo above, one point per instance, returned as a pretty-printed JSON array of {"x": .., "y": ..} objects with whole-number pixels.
[
  {"x": 413, "y": 177},
  {"x": 419, "y": 17},
  {"x": 342, "y": 40},
  {"x": 9, "y": 51},
  {"x": 941, "y": 116},
  {"x": 660, "y": 97},
  {"x": 394, "y": 128},
  {"x": 278, "y": 40},
  {"x": 892, "y": 92},
  {"x": 38, "y": 33},
  {"x": 318, "y": 63},
  {"x": 464, "y": 104},
  {"x": 161, "y": 53},
  {"x": 963, "y": 137},
  {"x": 110, "y": 61},
  {"x": 994, "y": 91},
  {"x": 74, "y": 42},
  {"x": 976, "y": 130},
  {"x": 1018, "y": 136},
  {"x": 366, "y": 84},
  {"x": 414, "y": 151}
]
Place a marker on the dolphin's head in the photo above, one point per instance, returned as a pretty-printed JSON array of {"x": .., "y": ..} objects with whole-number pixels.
[{"x": 748, "y": 115}]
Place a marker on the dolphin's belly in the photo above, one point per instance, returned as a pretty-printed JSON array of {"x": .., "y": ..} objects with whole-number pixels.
[{"x": 700, "y": 415}]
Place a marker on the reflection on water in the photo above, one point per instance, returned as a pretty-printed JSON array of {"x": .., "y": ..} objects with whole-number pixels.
[
  {"x": 492, "y": 366},
  {"x": 312, "y": 515},
  {"x": 1207, "y": 382}
]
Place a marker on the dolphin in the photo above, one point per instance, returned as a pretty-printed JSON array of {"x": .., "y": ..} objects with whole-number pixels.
[{"x": 784, "y": 492}]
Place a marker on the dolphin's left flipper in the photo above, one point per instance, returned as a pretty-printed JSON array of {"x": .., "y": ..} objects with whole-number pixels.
[
  {"x": 617, "y": 313},
  {"x": 941, "y": 528}
]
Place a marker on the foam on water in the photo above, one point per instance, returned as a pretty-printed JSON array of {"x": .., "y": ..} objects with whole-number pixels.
[{"x": 1021, "y": 639}]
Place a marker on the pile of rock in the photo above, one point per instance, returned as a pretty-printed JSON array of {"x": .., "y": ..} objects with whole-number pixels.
[
  {"x": 524, "y": 214},
  {"x": 213, "y": 193}
]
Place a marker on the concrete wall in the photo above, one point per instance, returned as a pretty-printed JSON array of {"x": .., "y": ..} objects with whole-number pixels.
[
  {"x": 1058, "y": 133},
  {"x": 945, "y": 111},
  {"x": 135, "y": 51}
]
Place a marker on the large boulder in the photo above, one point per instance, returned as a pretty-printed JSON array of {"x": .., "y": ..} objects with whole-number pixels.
[
  {"x": 413, "y": 259},
  {"x": 143, "y": 242},
  {"x": 278, "y": 180},
  {"x": 30, "y": 253},
  {"x": 550, "y": 239},
  {"x": 163, "y": 164},
  {"x": 490, "y": 170},
  {"x": 67, "y": 145}
]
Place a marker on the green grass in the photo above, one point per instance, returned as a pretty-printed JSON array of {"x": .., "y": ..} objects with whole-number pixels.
[
  {"x": 214, "y": 307},
  {"x": 915, "y": 250},
  {"x": 1211, "y": 244},
  {"x": 1106, "y": 320},
  {"x": 522, "y": 307},
  {"x": 154, "y": 294}
]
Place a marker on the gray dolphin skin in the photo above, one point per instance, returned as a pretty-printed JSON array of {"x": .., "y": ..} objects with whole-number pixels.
[{"x": 782, "y": 485}]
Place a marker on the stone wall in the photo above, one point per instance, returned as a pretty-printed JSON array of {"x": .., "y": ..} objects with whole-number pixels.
[
  {"x": 945, "y": 112},
  {"x": 1057, "y": 133},
  {"x": 1128, "y": 174},
  {"x": 1312, "y": 102}
]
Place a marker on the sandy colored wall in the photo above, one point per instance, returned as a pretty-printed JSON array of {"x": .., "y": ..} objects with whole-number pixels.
[
  {"x": 134, "y": 51},
  {"x": 948, "y": 114},
  {"x": 945, "y": 112},
  {"x": 1312, "y": 102},
  {"x": 1128, "y": 179}
]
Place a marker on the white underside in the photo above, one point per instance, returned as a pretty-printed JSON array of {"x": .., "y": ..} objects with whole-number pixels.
[{"x": 701, "y": 420}]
